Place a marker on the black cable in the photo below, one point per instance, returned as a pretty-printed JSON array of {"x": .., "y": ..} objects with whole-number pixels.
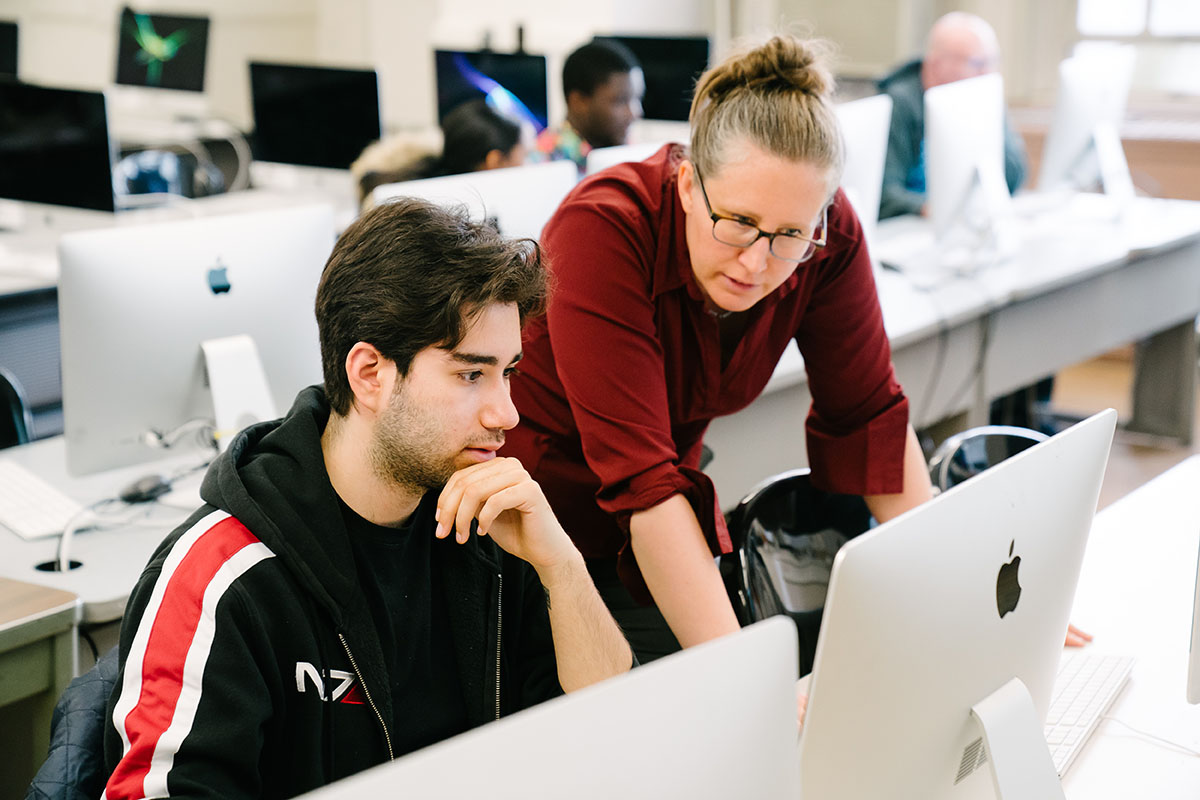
[
  {"x": 976, "y": 374},
  {"x": 87, "y": 639}
]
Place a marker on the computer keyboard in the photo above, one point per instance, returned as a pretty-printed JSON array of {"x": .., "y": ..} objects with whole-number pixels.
[
  {"x": 29, "y": 506},
  {"x": 1086, "y": 686}
]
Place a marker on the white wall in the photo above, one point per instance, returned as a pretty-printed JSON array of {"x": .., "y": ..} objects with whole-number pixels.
[{"x": 73, "y": 42}]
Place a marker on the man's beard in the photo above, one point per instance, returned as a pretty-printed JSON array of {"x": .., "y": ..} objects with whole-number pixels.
[
  {"x": 409, "y": 449},
  {"x": 406, "y": 447}
]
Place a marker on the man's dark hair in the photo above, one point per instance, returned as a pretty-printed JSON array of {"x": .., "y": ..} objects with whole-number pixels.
[
  {"x": 592, "y": 64},
  {"x": 408, "y": 275}
]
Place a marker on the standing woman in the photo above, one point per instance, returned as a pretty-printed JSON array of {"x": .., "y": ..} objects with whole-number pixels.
[{"x": 679, "y": 281}]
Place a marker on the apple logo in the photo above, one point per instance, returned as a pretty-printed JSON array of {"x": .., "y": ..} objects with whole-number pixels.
[
  {"x": 218, "y": 279},
  {"x": 1008, "y": 588}
]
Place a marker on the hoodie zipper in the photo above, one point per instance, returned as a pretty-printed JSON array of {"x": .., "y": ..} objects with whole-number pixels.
[
  {"x": 499, "y": 630},
  {"x": 367, "y": 692}
]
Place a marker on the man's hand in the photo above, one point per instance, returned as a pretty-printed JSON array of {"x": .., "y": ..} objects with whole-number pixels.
[
  {"x": 510, "y": 507},
  {"x": 1076, "y": 637}
]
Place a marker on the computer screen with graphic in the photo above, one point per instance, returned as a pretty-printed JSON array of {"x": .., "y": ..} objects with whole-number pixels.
[
  {"x": 313, "y": 116},
  {"x": 943, "y": 630},
  {"x": 514, "y": 84},
  {"x": 8, "y": 49},
  {"x": 54, "y": 147},
  {"x": 161, "y": 51},
  {"x": 136, "y": 304},
  {"x": 671, "y": 65}
]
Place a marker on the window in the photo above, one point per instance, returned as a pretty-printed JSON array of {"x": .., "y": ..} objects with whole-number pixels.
[{"x": 1166, "y": 34}]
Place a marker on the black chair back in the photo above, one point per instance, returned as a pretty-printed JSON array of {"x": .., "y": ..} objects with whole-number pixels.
[
  {"x": 786, "y": 533},
  {"x": 15, "y": 420}
]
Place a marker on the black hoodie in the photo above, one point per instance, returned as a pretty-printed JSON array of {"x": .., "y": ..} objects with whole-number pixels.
[{"x": 250, "y": 663}]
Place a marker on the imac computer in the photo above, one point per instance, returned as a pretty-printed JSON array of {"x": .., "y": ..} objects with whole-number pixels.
[
  {"x": 1193, "y": 680},
  {"x": 943, "y": 631},
  {"x": 514, "y": 84},
  {"x": 160, "y": 325},
  {"x": 520, "y": 200},
  {"x": 671, "y": 65},
  {"x": 55, "y": 147},
  {"x": 599, "y": 158},
  {"x": 964, "y": 158},
  {"x": 865, "y": 125},
  {"x": 1083, "y": 147},
  {"x": 8, "y": 49},
  {"x": 714, "y": 721},
  {"x": 313, "y": 116},
  {"x": 968, "y": 207},
  {"x": 160, "y": 67}
]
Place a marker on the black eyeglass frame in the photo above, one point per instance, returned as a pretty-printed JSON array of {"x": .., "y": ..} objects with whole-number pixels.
[{"x": 814, "y": 244}]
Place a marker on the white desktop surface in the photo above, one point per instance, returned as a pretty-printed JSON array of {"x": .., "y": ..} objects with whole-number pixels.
[
  {"x": 1135, "y": 595},
  {"x": 112, "y": 558}
]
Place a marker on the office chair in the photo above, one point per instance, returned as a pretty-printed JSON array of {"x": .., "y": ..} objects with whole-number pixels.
[
  {"x": 15, "y": 419},
  {"x": 785, "y": 535},
  {"x": 74, "y": 766},
  {"x": 969, "y": 453}
]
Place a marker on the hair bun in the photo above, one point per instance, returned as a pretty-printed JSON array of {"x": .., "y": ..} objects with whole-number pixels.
[{"x": 783, "y": 64}]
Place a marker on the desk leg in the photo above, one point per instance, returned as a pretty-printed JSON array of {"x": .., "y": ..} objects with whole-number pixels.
[{"x": 1164, "y": 387}]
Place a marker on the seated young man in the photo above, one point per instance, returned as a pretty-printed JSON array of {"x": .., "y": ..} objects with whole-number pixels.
[
  {"x": 603, "y": 86},
  {"x": 366, "y": 577}
]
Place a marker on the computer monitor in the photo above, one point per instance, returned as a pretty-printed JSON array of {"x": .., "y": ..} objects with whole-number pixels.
[
  {"x": 8, "y": 49},
  {"x": 599, "y": 158},
  {"x": 965, "y": 185},
  {"x": 161, "y": 51},
  {"x": 943, "y": 630},
  {"x": 313, "y": 116},
  {"x": 714, "y": 721},
  {"x": 514, "y": 84},
  {"x": 1193, "y": 680},
  {"x": 1083, "y": 146},
  {"x": 671, "y": 65},
  {"x": 136, "y": 303},
  {"x": 865, "y": 125},
  {"x": 55, "y": 147},
  {"x": 521, "y": 200}
]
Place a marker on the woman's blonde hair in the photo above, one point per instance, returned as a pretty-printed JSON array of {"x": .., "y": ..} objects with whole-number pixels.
[{"x": 776, "y": 96}]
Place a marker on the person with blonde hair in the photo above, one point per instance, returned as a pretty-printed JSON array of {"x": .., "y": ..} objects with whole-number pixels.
[{"x": 678, "y": 282}]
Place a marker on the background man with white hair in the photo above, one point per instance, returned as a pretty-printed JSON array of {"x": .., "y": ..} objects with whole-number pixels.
[{"x": 960, "y": 46}]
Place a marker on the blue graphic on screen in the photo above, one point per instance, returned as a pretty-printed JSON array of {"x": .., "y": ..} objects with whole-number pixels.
[{"x": 513, "y": 85}]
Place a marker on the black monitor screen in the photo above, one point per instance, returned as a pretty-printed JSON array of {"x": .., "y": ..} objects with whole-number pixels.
[
  {"x": 54, "y": 147},
  {"x": 8, "y": 49},
  {"x": 313, "y": 116},
  {"x": 165, "y": 52},
  {"x": 671, "y": 66},
  {"x": 513, "y": 83}
]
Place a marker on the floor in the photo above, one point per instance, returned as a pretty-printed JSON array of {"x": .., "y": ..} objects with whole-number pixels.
[{"x": 1104, "y": 382}]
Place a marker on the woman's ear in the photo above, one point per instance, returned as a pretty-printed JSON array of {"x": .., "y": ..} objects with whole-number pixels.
[
  {"x": 685, "y": 178},
  {"x": 494, "y": 159}
]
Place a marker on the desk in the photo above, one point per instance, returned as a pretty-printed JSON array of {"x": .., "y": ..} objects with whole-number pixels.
[
  {"x": 37, "y": 649},
  {"x": 1135, "y": 594},
  {"x": 112, "y": 558},
  {"x": 1079, "y": 286}
]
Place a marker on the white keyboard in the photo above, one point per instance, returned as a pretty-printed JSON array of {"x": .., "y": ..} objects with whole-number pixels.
[
  {"x": 29, "y": 506},
  {"x": 1085, "y": 687}
]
